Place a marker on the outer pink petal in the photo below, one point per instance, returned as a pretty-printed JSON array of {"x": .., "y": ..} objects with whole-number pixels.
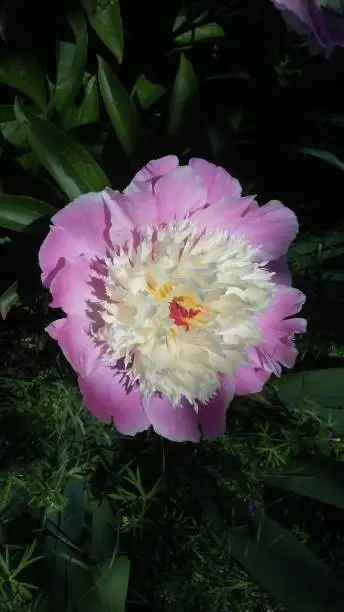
[
  {"x": 52, "y": 253},
  {"x": 107, "y": 398},
  {"x": 307, "y": 19},
  {"x": 154, "y": 169},
  {"x": 212, "y": 415},
  {"x": 276, "y": 347},
  {"x": 297, "y": 7},
  {"x": 225, "y": 214},
  {"x": 76, "y": 343},
  {"x": 178, "y": 424},
  {"x": 280, "y": 268},
  {"x": 179, "y": 193},
  {"x": 272, "y": 227},
  {"x": 220, "y": 184},
  {"x": 137, "y": 210},
  {"x": 74, "y": 286},
  {"x": 79, "y": 228},
  {"x": 250, "y": 379},
  {"x": 287, "y": 302}
]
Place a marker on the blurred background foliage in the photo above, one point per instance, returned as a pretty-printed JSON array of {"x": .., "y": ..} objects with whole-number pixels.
[{"x": 90, "y": 91}]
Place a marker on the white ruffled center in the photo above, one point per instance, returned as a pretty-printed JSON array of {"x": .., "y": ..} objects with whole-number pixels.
[{"x": 180, "y": 309}]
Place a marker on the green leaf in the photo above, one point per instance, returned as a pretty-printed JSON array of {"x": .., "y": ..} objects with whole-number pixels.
[
  {"x": 22, "y": 72},
  {"x": 323, "y": 155},
  {"x": 105, "y": 18},
  {"x": 204, "y": 33},
  {"x": 11, "y": 129},
  {"x": 72, "y": 167},
  {"x": 88, "y": 111},
  {"x": 281, "y": 564},
  {"x": 6, "y": 113},
  {"x": 336, "y": 120},
  {"x": 147, "y": 93},
  {"x": 71, "y": 62},
  {"x": 189, "y": 14},
  {"x": 323, "y": 388},
  {"x": 103, "y": 531},
  {"x": 14, "y": 133},
  {"x": 184, "y": 104},
  {"x": 70, "y": 580},
  {"x": 112, "y": 585},
  {"x": 314, "y": 476},
  {"x": 17, "y": 212},
  {"x": 29, "y": 162},
  {"x": 8, "y": 299},
  {"x": 122, "y": 111}
]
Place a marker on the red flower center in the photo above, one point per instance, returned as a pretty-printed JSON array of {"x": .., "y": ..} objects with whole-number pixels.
[{"x": 180, "y": 314}]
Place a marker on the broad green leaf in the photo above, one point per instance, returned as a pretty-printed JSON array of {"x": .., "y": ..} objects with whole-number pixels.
[
  {"x": 103, "y": 531},
  {"x": 8, "y": 299},
  {"x": 184, "y": 104},
  {"x": 314, "y": 476},
  {"x": 105, "y": 18},
  {"x": 147, "y": 93},
  {"x": 17, "y": 212},
  {"x": 29, "y": 162},
  {"x": 323, "y": 388},
  {"x": 180, "y": 19},
  {"x": 282, "y": 565},
  {"x": 71, "y": 522},
  {"x": 112, "y": 585},
  {"x": 189, "y": 14},
  {"x": 88, "y": 111},
  {"x": 322, "y": 154},
  {"x": 203, "y": 33},
  {"x": 6, "y": 113},
  {"x": 22, "y": 72},
  {"x": 334, "y": 119},
  {"x": 69, "y": 579},
  {"x": 121, "y": 109},
  {"x": 71, "y": 62},
  {"x": 14, "y": 133},
  {"x": 11, "y": 129},
  {"x": 72, "y": 167}
]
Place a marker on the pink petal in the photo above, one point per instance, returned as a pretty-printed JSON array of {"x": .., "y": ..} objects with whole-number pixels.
[
  {"x": 272, "y": 227},
  {"x": 178, "y": 193},
  {"x": 297, "y": 7},
  {"x": 220, "y": 184},
  {"x": 154, "y": 169},
  {"x": 307, "y": 19},
  {"x": 106, "y": 396},
  {"x": 54, "y": 327},
  {"x": 137, "y": 210},
  {"x": 79, "y": 228},
  {"x": 212, "y": 415},
  {"x": 277, "y": 347},
  {"x": 281, "y": 271},
  {"x": 178, "y": 424},
  {"x": 250, "y": 379},
  {"x": 285, "y": 353},
  {"x": 294, "y": 326},
  {"x": 287, "y": 302},
  {"x": 75, "y": 286},
  {"x": 76, "y": 343},
  {"x": 225, "y": 214}
]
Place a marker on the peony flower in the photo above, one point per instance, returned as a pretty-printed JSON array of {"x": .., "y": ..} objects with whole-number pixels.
[
  {"x": 321, "y": 21},
  {"x": 177, "y": 297}
]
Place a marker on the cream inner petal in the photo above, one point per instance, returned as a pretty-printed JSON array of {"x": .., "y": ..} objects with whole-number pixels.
[{"x": 180, "y": 309}]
